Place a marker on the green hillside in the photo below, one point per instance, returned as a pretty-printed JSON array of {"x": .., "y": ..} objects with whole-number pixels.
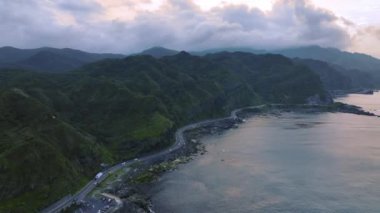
[
  {"x": 338, "y": 69},
  {"x": 41, "y": 156},
  {"x": 58, "y": 128}
]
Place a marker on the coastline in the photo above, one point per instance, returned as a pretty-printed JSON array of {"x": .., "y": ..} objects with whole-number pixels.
[
  {"x": 139, "y": 183},
  {"x": 133, "y": 187}
]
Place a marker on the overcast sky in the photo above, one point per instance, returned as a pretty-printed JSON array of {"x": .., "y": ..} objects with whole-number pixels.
[{"x": 127, "y": 26}]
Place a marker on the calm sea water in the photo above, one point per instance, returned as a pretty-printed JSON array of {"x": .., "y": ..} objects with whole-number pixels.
[
  {"x": 322, "y": 162},
  {"x": 369, "y": 103}
]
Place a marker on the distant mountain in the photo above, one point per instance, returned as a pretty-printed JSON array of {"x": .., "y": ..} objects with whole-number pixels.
[
  {"x": 158, "y": 52},
  {"x": 48, "y": 59},
  {"x": 326, "y": 62},
  {"x": 331, "y": 78},
  {"x": 337, "y": 69},
  {"x": 231, "y": 50},
  {"x": 335, "y": 56},
  {"x": 335, "y": 77},
  {"x": 353, "y": 63},
  {"x": 362, "y": 69},
  {"x": 57, "y": 129}
]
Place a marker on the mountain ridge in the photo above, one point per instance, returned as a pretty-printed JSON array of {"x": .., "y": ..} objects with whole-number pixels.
[
  {"x": 116, "y": 109},
  {"x": 47, "y": 59},
  {"x": 159, "y": 52},
  {"x": 352, "y": 65}
]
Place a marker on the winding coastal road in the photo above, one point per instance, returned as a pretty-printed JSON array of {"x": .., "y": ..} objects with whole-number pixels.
[{"x": 180, "y": 141}]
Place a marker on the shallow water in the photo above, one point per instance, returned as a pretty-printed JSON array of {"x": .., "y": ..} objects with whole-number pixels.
[{"x": 321, "y": 162}]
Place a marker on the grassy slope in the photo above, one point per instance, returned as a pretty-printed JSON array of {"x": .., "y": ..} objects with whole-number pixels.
[
  {"x": 57, "y": 129},
  {"x": 41, "y": 157}
]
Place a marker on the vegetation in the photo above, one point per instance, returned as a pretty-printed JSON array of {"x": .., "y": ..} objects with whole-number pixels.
[
  {"x": 48, "y": 59},
  {"x": 335, "y": 56},
  {"x": 58, "y": 128},
  {"x": 330, "y": 76},
  {"x": 41, "y": 156},
  {"x": 363, "y": 70},
  {"x": 159, "y": 52}
]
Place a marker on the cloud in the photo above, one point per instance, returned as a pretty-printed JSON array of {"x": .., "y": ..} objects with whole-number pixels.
[
  {"x": 84, "y": 6},
  {"x": 375, "y": 31},
  {"x": 289, "y": 23},
  {"x": 98, "y": 26},
  {"x": 364, "y": 40},
  {"x": 26, "y": 21}
]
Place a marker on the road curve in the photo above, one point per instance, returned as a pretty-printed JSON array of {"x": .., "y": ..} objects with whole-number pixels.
[{"x": 180, "y": 141}]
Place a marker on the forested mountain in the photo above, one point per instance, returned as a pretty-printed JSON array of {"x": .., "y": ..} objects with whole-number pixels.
[
  {"x": 335, "y": 77},
  {"x": 355, "y": 65},
  {"x": 231, "y": 49},
  {"x": 330, "y": 77},
  {"x": 57, "y": 128},
  {"x": 48, "y": 59},
  {"x": 363, "y": 71},
  {"x": 334, "y": 56},
  {"x": 159, "y": 52}
]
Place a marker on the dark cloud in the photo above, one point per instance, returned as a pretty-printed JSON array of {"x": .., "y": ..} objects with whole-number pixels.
[{"x": 179, "y": 24}]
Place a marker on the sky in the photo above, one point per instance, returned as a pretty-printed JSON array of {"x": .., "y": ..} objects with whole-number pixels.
[{"x": 129, "y": 26}]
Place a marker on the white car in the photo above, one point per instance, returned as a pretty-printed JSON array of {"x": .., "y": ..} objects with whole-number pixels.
[{"x": 99, "y": 175}]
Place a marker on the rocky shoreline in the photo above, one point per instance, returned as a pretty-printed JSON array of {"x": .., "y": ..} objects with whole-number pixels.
[
  {"x": 135, "y": 193},
  {"x": 133, "y": 187}
]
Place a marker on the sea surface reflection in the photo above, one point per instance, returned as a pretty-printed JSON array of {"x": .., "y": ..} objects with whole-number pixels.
[{"x": 323, "y": 162}]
